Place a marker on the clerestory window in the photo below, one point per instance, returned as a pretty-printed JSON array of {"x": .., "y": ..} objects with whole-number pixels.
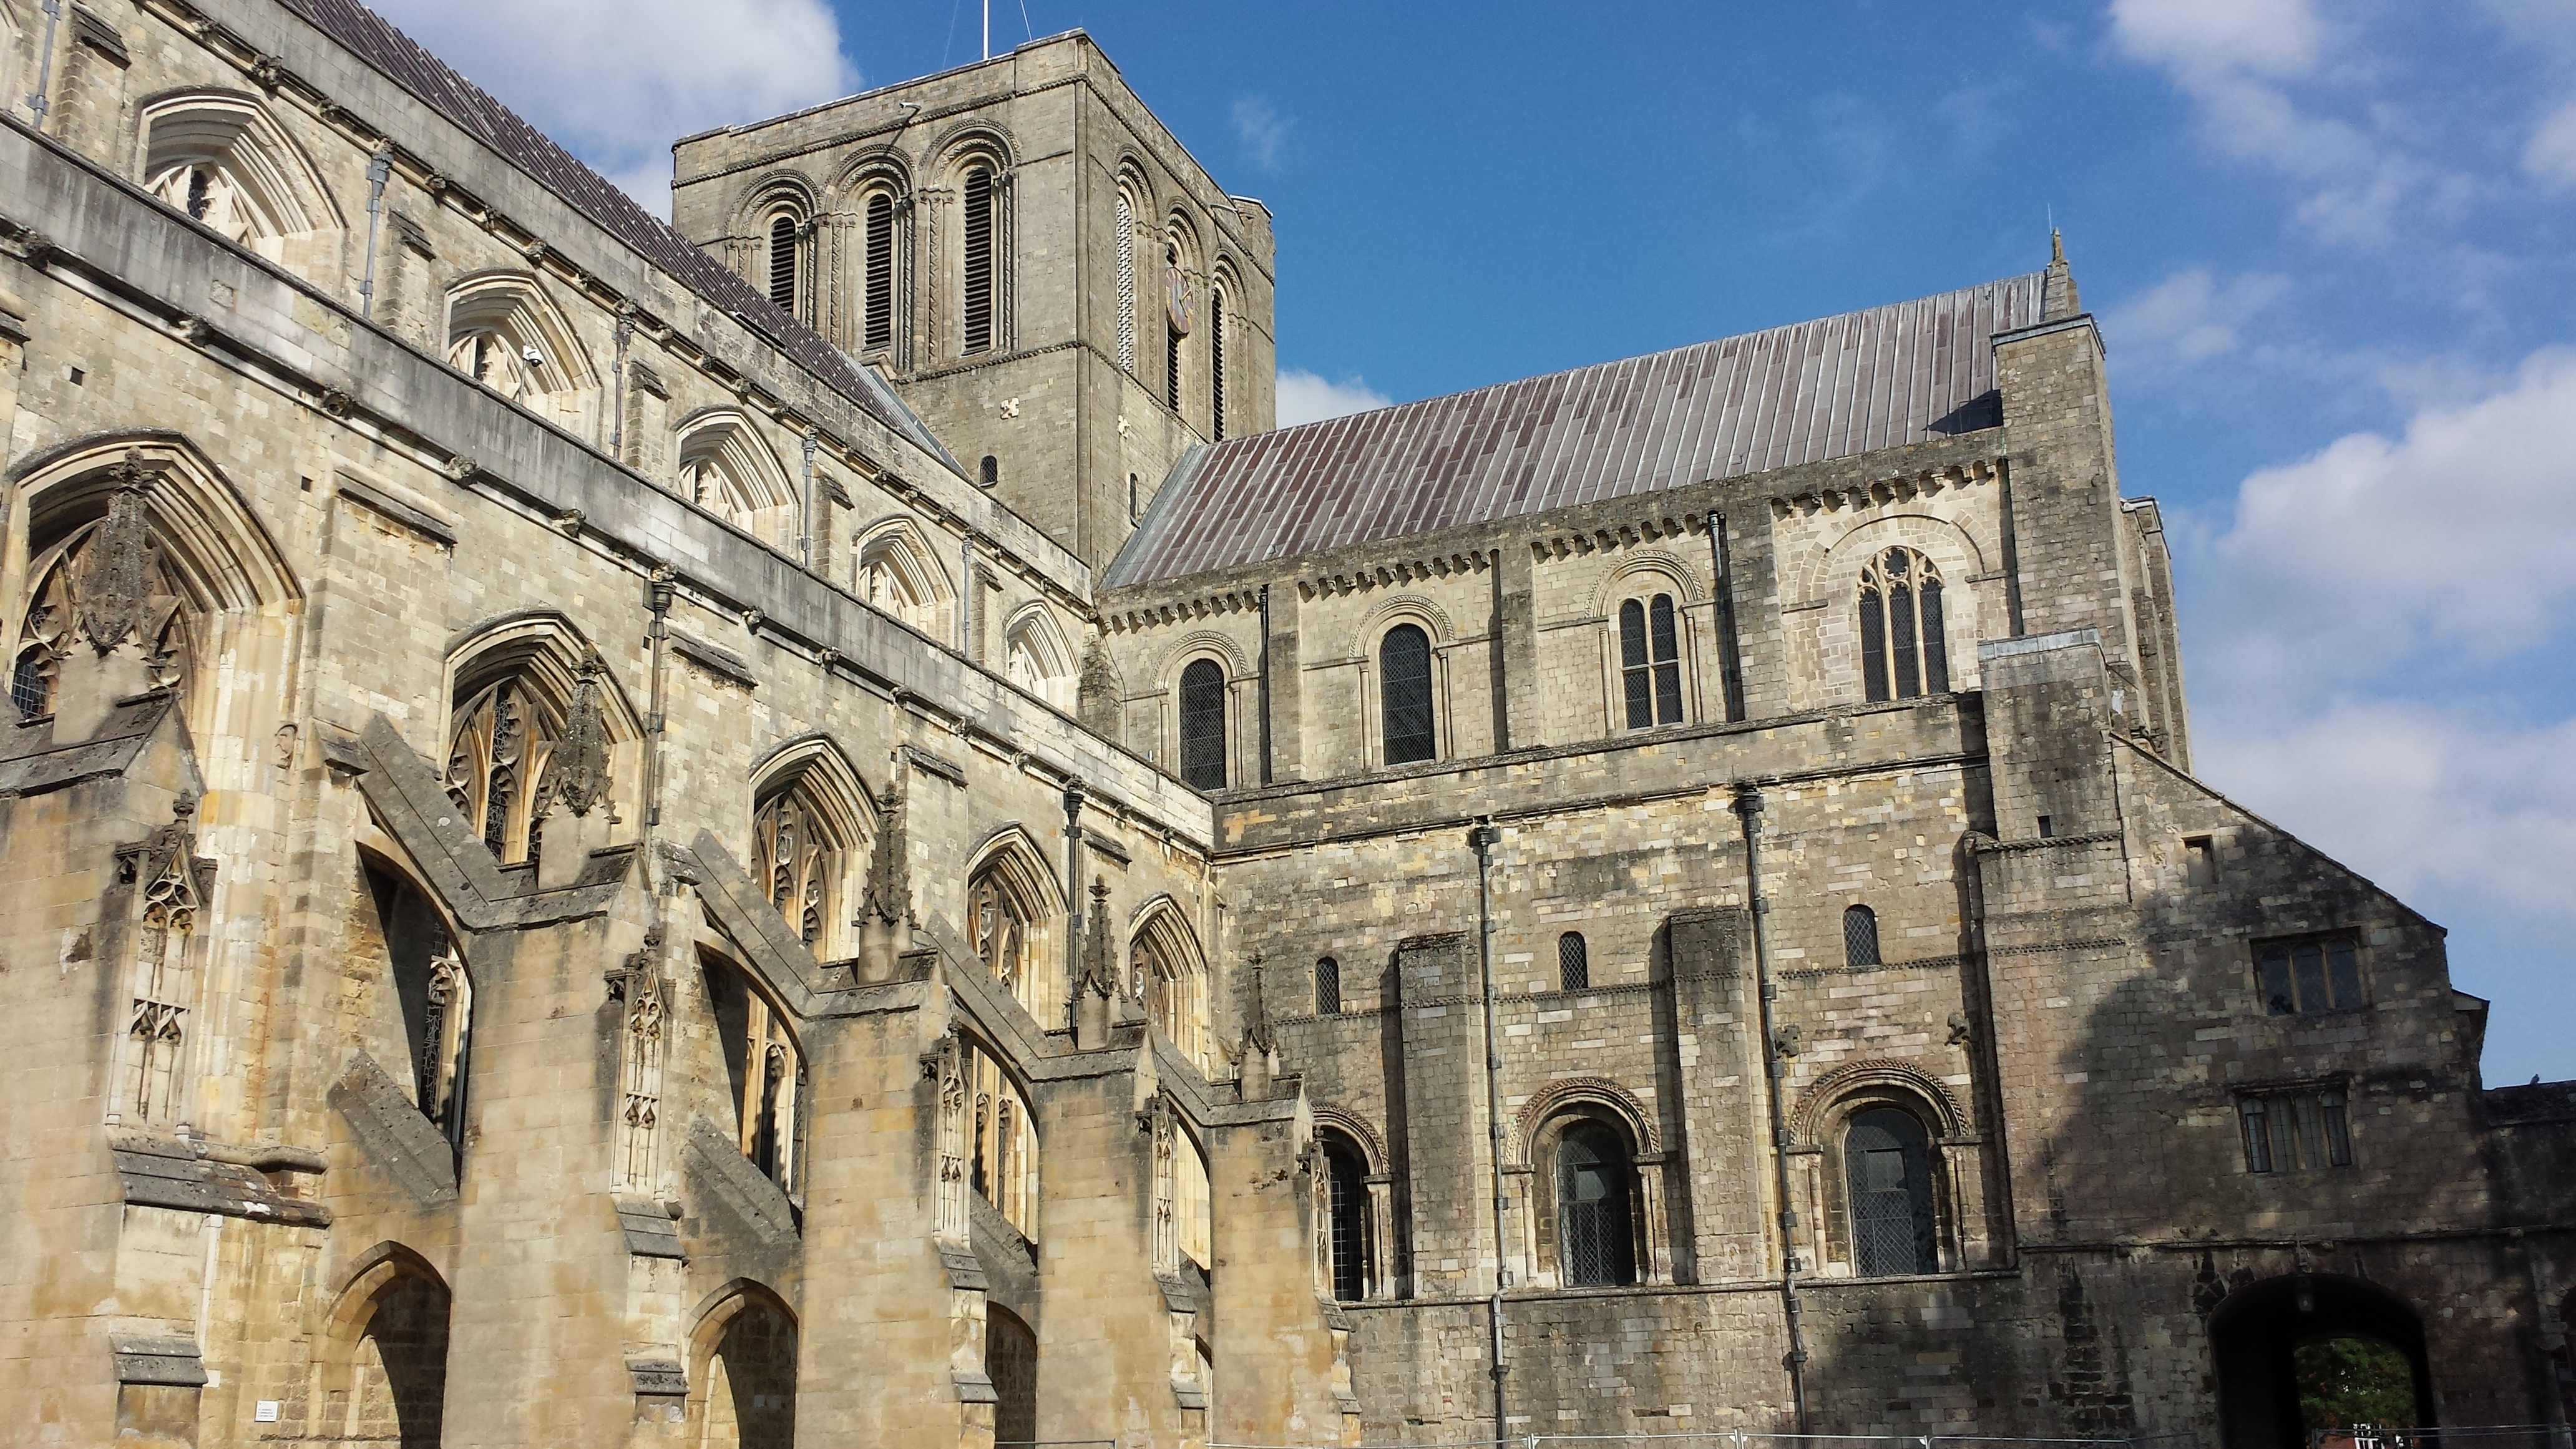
[
  {"x": 1404, "y": 690},
  {"x": 1650, "y": 669},
  {"x": 1203, "y": 725},
  {"x": 1904, "y": 651}
]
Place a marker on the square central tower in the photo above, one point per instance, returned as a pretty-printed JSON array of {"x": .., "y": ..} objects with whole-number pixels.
[{"x": 1050, "y": 279}]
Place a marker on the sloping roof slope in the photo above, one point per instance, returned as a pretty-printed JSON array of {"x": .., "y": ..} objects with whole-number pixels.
[
  {"x": 1832, "y": 388},
  {"x": 374, "y": 40}
]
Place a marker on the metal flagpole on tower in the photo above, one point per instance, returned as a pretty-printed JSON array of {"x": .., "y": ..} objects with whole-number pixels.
[{"x": 988, "y": 29}]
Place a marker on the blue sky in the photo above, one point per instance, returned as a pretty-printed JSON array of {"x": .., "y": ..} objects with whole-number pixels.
[{"x": 2333, "y": 247}]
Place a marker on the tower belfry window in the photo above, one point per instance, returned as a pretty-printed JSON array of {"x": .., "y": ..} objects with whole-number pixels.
[
  {"x": 782, "y": 262},
  {"x": 1126, "y": 282},
  {"x": 1904, "y": 652},
  {"x": 879, "y": 332},
  {"x": 978, "y": 310},
  {"x": 1216, "y": 365}
]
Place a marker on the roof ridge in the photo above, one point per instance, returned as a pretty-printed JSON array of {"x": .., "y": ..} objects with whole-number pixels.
[
  {"x": 2033, "y": 278},
  {"x": 417, "y": 70}
]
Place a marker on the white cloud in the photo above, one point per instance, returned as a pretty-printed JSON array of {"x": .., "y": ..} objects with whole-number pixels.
[
  {"x": 616, "y": 81},
  {"x": 2551, "y": 156},
  {"x": 2453, "y": 537},
  {"x": 2237, "y": 60},
  {"x": 2266, "y": 37},
  {"x": 1305, "y": 397},
  {"x": 2447, "y": 802},
  {"x": 1261, "y": 130},
  {"x": 2334, "y": 613},
  {"x": 2189, "y": 316}
]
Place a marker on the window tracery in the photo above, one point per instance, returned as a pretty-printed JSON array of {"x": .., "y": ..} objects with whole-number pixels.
[
  {"x": 501, "y": 334},
  {"x": 107, "y": 583},
  {"x": 1164, "y": 974},
  {"x": 1007, "y": 917},
  {"x": 221, "y": 161},
  {"x": 1904, "y": 648},
  {"x": 500, "y": 745},
  {"x": 805, "y": 865}
]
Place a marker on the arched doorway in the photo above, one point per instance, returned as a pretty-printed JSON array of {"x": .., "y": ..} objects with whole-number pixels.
[
  {"x": 384, "y": 1366},
  {"x": 743, "y": 1382},
  {"x": 2311, "y": 1352},
  {"x": 1011, "y": 1362}
]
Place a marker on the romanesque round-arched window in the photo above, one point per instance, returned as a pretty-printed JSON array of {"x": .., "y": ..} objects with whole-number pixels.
[
  {"x": 1595, "y": 1222},
  {"x": 1887, "y": 1164}
]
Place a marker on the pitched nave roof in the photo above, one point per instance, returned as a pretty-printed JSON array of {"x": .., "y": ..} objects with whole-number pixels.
[{"x": 1808, "y": 392}]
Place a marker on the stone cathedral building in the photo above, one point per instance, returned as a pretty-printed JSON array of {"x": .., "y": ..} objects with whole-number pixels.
[{"x": 802, "y": 827}]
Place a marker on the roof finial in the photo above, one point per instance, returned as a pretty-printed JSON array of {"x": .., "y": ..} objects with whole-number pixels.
[{"x": 2056, "y": 247}]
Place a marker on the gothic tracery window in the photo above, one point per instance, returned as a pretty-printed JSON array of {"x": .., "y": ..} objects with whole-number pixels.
[
  {"x": 1165, "y": 975},
  {"x": 500, "y": 743},
  {"x": 804, "y": 864},
  {"x": 1904, "y": 650},
  {"x": 1004, "y": 922},
  {"x": 77, "y": 568}
]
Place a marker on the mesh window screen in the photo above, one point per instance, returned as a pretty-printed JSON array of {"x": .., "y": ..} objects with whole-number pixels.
[
  {"x": 1887, "y": 1163},
  {"x": 1404, "y": 684},
  {"x": 1573, "y": 963},
  {"x": 1349, "y": 1224},
  {"x": 1860, "y": 936},
  {"x": 1203, "y": 725},
  {"x": 1596, "y": 1236},
  {"x": 1328, "y": 987}
]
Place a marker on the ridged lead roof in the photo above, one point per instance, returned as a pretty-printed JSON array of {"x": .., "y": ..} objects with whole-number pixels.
[
  {"x": 374, "y": 40},
  {"x": 1831, "y": 388}
]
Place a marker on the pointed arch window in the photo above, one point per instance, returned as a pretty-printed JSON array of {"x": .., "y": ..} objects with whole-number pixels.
[
  {"x": 765, "y": 1070},
  {"x": 501, "y": 742},
  {"x": 1887, "y": 1164},
  {"x": 1166, "y": 978},
  {"x": 877, "y": 327},
  {"x": 1904, "y": 649},
  {"x": 161, "y": 619},
  {"x": 1404, "y": 694},
  {"x": 224, "y": 162},
  {"x": 1203, "y": 725},
  {"x": 1007, "y": 923},
  {"x": 1860, "y": 936},
  {"x": 1650, "y": 670},
  {"x": 782, "y": 262},
  {"x": 800, "y": 857},
  {"x": 978, "y": 227},
  {"x": 1596, "y": 1222}
]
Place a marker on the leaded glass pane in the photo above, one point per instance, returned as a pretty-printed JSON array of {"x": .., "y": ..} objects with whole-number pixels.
[
  {"x": 1404, "y": 686},
  {"x": 1203, "y": 725},
  {"x": 1860, "y": 936},
  {"x": 1573, "y": 963},
  {"x": 1596, "y": 1234},
  {"x": 1328, "y": 987}
]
